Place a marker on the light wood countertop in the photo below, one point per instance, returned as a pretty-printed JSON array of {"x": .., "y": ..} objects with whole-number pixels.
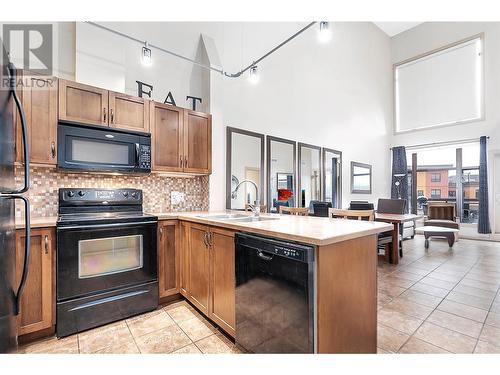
[{"x": 308, "y": 229}]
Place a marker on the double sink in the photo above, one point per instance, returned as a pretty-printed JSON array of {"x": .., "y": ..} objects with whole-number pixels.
[{"x": 240, "y": 218}]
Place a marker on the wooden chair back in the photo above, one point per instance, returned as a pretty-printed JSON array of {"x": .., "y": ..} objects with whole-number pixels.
[
  {"x": 351, "y": 214},
  {"x": 263, "y": 207},
  {"x": 300, "y": 211}
]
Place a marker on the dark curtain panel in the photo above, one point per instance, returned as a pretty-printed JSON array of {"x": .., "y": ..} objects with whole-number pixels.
[
  {"x": 334, "y": 182},
  {"x": 483, "y": 225},
  {"x": 399, "y": 166}
]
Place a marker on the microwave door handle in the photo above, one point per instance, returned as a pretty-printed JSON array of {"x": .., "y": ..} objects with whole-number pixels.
[
  {"x": 12, "y": 83},
  {"x": 27, "y": 251},
  {"x": 137, "y": 154}
]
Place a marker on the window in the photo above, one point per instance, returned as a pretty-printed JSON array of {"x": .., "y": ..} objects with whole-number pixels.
[
  {"x": 420, "y": 193},
  {"x": 442, "y": 87},
  {"x": 452, "y": 193},
  {"x": 477, "y": 194},
  {"x": 435, "y": 193},
  {"x": 435, "y": 177}
]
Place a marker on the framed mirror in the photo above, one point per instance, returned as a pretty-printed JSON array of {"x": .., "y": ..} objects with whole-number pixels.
[
  {"x": 244, "y": 161},
  {"x": 281, "y": 161},
  {"x": 309, "y": 173},
  {"x": 361, "y": 178},
  {"x": 332, "y": 177}
]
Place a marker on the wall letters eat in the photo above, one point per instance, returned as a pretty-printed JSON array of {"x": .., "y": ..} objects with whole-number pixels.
[{"x": 146, "y": 89}]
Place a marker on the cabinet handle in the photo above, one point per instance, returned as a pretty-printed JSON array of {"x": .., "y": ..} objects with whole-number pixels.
[
  {"x": 205, "y": 239},
  {"x": 185, "y": 161},
  {"x": 111, "y": 115},
  {"x": 104, "y": 111},
  {"x": 46, "y": 244},
  {"x": 181, "y": 161},
  {"x": 53, "y": 149},
  {"x": 161, "y": 233},
  {"x": 210, "y": 239}
]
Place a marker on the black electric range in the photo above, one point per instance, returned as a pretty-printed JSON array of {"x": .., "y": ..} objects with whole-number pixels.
[{"x": 106, "y": 258}]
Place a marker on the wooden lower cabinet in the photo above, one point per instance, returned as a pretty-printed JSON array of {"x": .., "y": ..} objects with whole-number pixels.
[
  {"x": 207, "y": 272},
  {"x": 168, "y": 257},
  {"x": 222, "y": 279},
  {"x": 37, "y": 308}
]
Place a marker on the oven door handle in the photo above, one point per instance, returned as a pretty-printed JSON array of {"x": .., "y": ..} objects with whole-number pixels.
[
  {"x": 27, "y": 251},
  {"x": 112, "y": 225}
]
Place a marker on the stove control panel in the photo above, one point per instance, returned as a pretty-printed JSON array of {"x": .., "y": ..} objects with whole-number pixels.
[{"x": 84, "y": 196}]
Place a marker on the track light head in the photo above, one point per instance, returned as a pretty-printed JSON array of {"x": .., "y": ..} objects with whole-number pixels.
[
  {"x": 324, "y": 32},
  {"x": 253, "y": 75},
  {"x": 146, "y": 56}
]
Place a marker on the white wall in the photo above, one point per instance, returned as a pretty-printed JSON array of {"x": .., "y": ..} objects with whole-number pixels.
[{"x": 337, "y": 95}]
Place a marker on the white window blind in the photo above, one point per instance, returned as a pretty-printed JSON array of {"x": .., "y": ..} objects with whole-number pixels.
[{"x": 441, "y": 88}]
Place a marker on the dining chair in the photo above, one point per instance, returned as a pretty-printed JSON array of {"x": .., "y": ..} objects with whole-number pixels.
[
  {"x": 351, "y": 214},
  {"x": 395, "y": 206},
  {"x": 384, "y": 242},
  {"x": 319, "y": 208},
  {"x": 299, "y": 211}
]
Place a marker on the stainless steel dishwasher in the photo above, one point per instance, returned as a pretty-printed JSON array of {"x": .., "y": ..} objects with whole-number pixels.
[{"x": 274, "y": 295}]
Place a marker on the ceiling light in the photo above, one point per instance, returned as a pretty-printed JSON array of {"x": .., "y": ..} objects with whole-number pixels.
[
  {"x": 324, "y": 33},
  {"x": 253, "y": 76},
  {"x": 146, "y": 56}
]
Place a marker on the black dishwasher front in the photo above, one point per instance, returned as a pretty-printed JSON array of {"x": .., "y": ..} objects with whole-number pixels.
[{"x": 274, "y": 295}]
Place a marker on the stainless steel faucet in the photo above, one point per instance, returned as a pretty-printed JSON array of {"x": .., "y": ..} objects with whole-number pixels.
[{"x": 254, "y": 207}]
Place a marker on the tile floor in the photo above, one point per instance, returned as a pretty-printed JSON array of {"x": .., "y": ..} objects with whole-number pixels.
[{"x": 435, "y": 301}]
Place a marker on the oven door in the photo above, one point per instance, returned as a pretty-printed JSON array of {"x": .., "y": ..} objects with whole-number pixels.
[
  {"x": 103, "y": 150},
  {"x": 96, "y": 258}
]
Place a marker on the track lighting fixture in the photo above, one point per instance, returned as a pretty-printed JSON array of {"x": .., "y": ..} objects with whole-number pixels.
[
  {"x": 253, "y": 75},
  {"x": 324, "y": 33},
  {"x": 146, "y": 55}
]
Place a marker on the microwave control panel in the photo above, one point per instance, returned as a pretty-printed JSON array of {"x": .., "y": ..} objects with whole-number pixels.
[{"x": 145, "y": 157}]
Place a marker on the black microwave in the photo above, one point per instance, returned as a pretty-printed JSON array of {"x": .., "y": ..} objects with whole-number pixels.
[{"x": 82, "y": 148}]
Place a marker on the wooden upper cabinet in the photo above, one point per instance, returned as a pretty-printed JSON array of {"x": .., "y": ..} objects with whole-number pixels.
[
  {"x": 167, "y": 124},
  {"x": 197, "y": 142},
  {"x": 39, "y": 100},
  {"x": 222, "y": 279},
  {"x": 198, "y": 263},
  {"x": 82, "y": 103},
  {"x": 128, "y": 112},
  {"x": 168, "y": 257},
  {"x": 38, "y": 298}
]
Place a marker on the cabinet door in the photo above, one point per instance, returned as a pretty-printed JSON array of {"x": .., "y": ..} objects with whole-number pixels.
[
  {"x": 39, "y": 99},
  {"x": 167, "y": 137},
  {"x": 37, "y": 300},
  {"x": 222, "y": 279},
  {"x": 184, "y": 261},
  {"x": 168, "y": 257},
  {"x": 197, "y": 142},
  {"x": 83, "y": 103},
  {"x": 128, "y": 112},
  {"x": 198, "y": 263}
]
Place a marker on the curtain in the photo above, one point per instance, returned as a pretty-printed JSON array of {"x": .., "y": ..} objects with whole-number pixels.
[
  {"x": 483, "y": 225},
  {"x": 399, "y": 184}
]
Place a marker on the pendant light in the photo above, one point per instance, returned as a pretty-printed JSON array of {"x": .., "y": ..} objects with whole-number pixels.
[
  {"x": 253, "y": 75},
  {"x": 324, "y": 33},
  {"x": 146, "y": 55}
]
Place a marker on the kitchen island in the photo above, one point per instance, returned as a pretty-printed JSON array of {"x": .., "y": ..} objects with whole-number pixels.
[{"x": 345, "y": 271}]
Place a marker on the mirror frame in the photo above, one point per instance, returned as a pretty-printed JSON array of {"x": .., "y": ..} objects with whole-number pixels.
[
  {"x": 301, "y": 145},
  {"x": 269, "y": 139},
  {"x": 229, "y": 143},
  {"x": 361, "y": 165},
  {"x": 324, "y": 150}
]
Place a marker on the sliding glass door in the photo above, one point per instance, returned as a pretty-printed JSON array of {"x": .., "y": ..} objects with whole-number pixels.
[{"x": 447, "y": 174}]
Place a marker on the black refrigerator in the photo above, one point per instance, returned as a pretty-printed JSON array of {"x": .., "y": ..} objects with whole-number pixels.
[{"x": 10, "y": 288}]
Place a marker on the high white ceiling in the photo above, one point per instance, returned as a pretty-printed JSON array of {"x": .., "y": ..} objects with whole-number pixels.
[{"x": 394, "y": 28}]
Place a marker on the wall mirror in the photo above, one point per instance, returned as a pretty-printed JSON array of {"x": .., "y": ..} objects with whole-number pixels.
[
  {"x": 244, "y": 161},
  {"x": 332, "y": 177},
  {"x": 281, "y": 159},
  {"x": 309, "y": 174},
  {"x": 361, "y": 178}
]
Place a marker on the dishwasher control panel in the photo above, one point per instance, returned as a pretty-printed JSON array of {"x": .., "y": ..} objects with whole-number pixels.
[{"x": 289, "y": 253}]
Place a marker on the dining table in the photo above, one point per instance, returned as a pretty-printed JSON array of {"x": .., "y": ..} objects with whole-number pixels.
[{"x": 396, "y": 220}]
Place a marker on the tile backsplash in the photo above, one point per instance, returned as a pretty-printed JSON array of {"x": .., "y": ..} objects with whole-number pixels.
[{"x": 45, "y": 182}]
